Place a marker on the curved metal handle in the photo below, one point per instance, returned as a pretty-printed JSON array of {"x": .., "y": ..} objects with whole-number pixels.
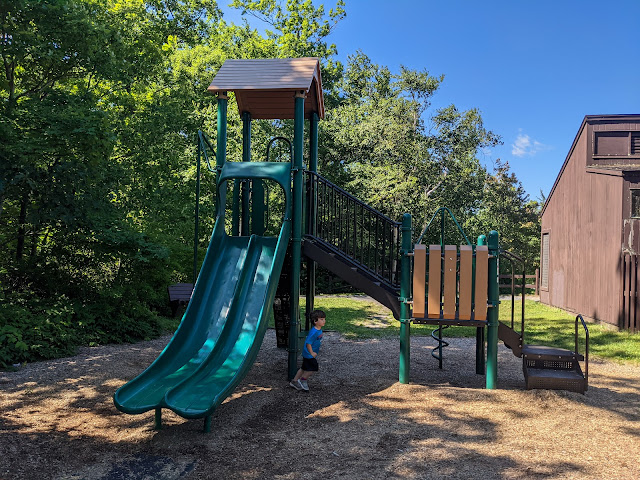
[
  {"x": 203, "y": 141},
  {"x": 284, "y": 139},
  {"x": 586, "y": 349}
]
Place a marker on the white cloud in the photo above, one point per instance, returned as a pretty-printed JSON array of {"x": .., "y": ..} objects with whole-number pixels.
[{"x": 525, "y": 146}]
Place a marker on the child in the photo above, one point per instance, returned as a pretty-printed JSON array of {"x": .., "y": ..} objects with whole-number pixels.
[{"x": 310, "y": 352}]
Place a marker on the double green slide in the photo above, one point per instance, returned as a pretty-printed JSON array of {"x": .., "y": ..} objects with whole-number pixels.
[{"x": 224, "y": 324}]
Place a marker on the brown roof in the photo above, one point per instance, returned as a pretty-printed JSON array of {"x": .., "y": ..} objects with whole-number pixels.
[{"x": 266, "y": 87}]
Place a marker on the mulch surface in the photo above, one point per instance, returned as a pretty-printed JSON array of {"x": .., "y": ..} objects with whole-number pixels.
[{"x": 57, "y": 420}]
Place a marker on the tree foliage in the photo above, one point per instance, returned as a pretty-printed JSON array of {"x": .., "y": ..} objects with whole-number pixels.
[{"x": 100, "y": 102}]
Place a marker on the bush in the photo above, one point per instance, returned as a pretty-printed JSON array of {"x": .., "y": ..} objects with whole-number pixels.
[{"x": 39, "y": 329}]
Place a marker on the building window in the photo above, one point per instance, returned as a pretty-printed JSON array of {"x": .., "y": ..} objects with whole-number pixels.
[
  {"x": 635, "y": 143},
  {"x": 616, "y": 144},
  {"x": 544, "y": 262},
  {"x": 611, "y": 144},
  {"x": 635, "y": 203}
]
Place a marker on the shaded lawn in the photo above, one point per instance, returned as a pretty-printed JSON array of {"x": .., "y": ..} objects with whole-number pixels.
[{"x": 544, "y": 325}]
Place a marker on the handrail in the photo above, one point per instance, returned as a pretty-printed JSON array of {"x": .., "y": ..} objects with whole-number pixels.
[
  {"x": 512, "y": 257},
  {"x": 586, "y": 349},
  {"x": 203, "y": 143},
  {"x": 355, "y": 229},
  {"x": 441, "y": 210}
]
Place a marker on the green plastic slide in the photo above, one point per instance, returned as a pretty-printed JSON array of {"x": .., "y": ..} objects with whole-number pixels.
[{"x": 224, "y": 324}]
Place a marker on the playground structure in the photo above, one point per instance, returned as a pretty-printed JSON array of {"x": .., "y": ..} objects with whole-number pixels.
[{"x": 247, "y": 271}]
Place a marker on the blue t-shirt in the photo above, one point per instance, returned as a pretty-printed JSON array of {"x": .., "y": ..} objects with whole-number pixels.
[{"x": 314, "y": 339}]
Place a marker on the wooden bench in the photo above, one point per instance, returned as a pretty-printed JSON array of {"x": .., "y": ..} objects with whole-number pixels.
[{"x": 179, "y": 294}]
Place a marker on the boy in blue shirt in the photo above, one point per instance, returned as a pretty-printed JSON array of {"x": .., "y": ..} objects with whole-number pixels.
[{"x": 310, "y": 352}]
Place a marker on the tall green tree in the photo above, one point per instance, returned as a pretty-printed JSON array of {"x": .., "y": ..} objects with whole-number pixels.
[
  {"x": 77, "y": 78},
  {"x": 384, "y": 143},
  {"x": 507, "y": 208}
]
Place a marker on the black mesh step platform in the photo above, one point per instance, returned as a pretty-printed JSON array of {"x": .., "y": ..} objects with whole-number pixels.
[
  {"x": 571, "y": 380},
  {"x": 552, "y": 368}
]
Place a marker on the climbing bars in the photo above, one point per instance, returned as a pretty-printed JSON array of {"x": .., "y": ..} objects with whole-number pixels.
[{"x": 457, "y": 285}]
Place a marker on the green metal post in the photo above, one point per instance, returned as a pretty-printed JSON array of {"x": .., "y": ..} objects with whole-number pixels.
[
  {"x": 296, "y": 237},
  {"x": 482, "y": 240},
  {"x": 246, "y": 157},
  {"x": 207, "y": 424},
  {"x": 492, "y": 315},
  {"x": 311, "y": 218},
  {"x": 221, "y": 149},
  {"x": 405, "y": 286}
]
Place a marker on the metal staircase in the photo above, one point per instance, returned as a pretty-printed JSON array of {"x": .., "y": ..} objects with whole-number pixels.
[
  {"x": 557, "y": 368},
  {"x": 547, "y": 367},
  {"x": 354, "y": 241},
  {"x": 352, "y": 272}
]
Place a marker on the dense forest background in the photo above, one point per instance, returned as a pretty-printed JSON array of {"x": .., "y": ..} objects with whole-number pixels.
[{"x": 101, "y": 101}]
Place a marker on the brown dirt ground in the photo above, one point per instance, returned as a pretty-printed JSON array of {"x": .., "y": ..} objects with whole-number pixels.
[{"x": 57, "y": 420}]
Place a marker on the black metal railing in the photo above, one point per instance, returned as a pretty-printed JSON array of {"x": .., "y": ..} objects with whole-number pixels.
[
  {"x": 513, "y": 260},
  {"x": 355, "y": 229}
]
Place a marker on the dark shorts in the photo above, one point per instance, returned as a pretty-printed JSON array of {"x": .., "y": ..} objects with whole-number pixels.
[{"x": 309, "y": 364}]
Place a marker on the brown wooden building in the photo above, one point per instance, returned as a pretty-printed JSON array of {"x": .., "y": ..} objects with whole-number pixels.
[{"x": 591, "y": 225}]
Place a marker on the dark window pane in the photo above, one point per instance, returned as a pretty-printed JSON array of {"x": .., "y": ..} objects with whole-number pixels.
[{"x": 635, "y": 203}]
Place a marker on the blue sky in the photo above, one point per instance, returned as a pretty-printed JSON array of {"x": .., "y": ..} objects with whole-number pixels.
[{"x": 533, "y": 68}]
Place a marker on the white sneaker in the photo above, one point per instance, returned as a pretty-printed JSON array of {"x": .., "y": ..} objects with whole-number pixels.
[
  {"x": 295, "y": 385},
  {"x": 304, "y": 385}
]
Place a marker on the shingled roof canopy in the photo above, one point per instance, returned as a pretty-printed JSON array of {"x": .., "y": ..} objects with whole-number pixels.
[{"x": 266, "y": 87}]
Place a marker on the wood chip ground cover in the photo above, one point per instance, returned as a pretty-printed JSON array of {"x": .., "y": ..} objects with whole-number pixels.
[{"x": 57, "y": 420}]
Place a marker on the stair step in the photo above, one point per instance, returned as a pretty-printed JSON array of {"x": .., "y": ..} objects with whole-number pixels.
[
  {"x": 571, "y": 380},
  {"x": 550, "y": 373},
  {"x": 543, "y": 352}
]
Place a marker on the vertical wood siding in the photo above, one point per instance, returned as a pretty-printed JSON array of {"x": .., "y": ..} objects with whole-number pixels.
[{"x": 630, "y": 297}]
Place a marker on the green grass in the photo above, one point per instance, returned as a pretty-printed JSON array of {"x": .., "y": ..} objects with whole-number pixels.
[
  {"x": 551, "y": 326},
  {"x": 355, "y": 318},
  {"x": 544, "y": 326}
]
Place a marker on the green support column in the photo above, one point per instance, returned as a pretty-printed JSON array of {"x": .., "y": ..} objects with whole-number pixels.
[
  {"x": 221, "y": 150},
  {"x": 296, "y": 235},
  {"x": 405, "y": 287},
  {"x": 246, "y": 157},
  {"x": 482, "y": 240},
  {"x": 492, "y": 315},
  {"x": 221, "y": 147},
  {"x": 311, "y": 217}
]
